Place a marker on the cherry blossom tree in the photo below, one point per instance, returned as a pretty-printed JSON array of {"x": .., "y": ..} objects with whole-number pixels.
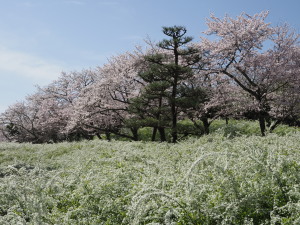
[
  {"x": 209, "y": 101},
  {"x": 285, "y": 104},
  {"x": 60, "y": 96},
  {"x": 255, "y": 56},
  {"x": 207, "y": 95},
  {"x": 104, "y": 105},
  {"x": 43, "y": 116},
  {"x": 19, "y": 123}
]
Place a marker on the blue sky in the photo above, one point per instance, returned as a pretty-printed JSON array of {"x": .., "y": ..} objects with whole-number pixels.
[{"x": 41, "y": 38}]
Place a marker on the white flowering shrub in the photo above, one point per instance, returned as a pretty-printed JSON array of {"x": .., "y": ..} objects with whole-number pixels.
[{"x": 210, "y": 180}]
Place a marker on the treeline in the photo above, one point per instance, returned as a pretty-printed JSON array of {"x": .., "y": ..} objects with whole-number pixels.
[{"x": 246, "y": 68}]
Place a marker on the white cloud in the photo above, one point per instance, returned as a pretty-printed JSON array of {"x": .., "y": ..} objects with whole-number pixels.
[{"x": 27, "y": 65}]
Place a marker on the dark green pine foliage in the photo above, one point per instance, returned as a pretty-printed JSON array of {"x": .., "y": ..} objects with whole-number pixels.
[
  {"x": 167, "y": 73},
  {"x": 151, "y": 106}
]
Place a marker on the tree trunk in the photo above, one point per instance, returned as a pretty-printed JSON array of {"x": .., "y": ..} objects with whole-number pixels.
[
  {"x": 227, "y": 120},
  {"x": 174, "y": 113},
  {"x": 107, "y": 134},
  {"x": 174, "y": 93},
  {"x": 274, "y": 125},
  {"x": 205, "y": 125},
  {"x": 262, "y": 124},
  {"x": 162, "y": 134},
  {"x": 135, "y": 134},
  {"x": 174, "y": 131},
  {"x": 154, "y": 133}
]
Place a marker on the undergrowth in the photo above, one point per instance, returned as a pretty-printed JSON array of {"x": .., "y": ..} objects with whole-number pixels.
[{"x": 222, "y": 178}]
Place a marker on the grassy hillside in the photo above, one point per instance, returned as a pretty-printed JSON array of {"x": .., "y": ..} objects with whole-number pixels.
[{"x": 215, "y": 179}]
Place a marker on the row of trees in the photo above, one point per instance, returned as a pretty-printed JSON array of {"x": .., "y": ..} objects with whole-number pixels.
[{"x": 244, "y": 68}]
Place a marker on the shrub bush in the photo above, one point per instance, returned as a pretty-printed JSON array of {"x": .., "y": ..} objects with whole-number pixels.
[{"x": 209, "y": 180}]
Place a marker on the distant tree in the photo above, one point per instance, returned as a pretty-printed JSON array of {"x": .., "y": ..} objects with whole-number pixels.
[
  {"x": 58, "y": 99},
  {"x": 19, "y": 123},
  {"x": 44, "y": 115}
]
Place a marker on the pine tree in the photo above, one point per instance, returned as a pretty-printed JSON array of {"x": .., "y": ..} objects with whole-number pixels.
[
  {"x": 151, "y": 106},
  {"x": 167, "y": 71}
]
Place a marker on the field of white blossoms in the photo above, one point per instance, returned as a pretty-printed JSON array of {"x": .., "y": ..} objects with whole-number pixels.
[{"x": 214, "y": 179}]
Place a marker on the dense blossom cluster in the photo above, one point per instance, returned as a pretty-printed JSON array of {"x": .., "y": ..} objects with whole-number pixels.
[{"x": 248, "y": 69}]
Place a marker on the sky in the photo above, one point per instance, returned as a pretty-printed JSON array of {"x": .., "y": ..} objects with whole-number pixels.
[{"x": 41, "y": 38}]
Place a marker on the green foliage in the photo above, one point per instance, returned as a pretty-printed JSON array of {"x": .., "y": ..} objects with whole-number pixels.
[
  {"x": 285, "y": 130},
  {"x": 186, "y": 128},
  {"x": 246, "y": 127},
  {"x": 209, "y": 180},
  {"x": 168, "y": 90}
]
